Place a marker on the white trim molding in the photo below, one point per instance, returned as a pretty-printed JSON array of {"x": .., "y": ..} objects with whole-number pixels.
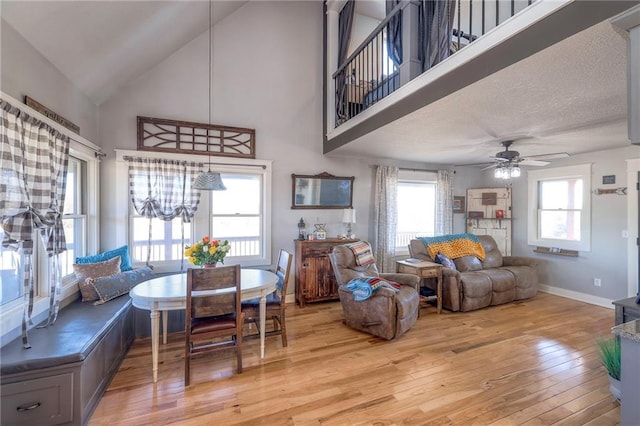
[{"x": 574, "y": 295}]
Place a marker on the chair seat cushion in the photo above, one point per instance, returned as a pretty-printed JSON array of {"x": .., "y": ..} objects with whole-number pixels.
[
  {"x": 206, "y": 325},
  {"x": 272, "y": 299}
]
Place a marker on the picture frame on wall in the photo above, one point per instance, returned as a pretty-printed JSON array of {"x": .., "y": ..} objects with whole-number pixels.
[{"x": 458, "y": 204}]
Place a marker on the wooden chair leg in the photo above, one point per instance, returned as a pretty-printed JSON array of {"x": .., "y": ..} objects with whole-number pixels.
[
  {"x": 187, "y": 369},
  {"x": 283, "y": 330},
  {"x": 239, "y": 352}
]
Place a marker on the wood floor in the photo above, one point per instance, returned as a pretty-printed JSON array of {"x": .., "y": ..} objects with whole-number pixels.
[{"x": 527, "y": 363}]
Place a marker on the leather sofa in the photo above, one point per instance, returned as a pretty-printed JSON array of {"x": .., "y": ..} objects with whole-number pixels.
[
  {"x": 477, "y": 284},
  {"x": 386, "y": 314}
]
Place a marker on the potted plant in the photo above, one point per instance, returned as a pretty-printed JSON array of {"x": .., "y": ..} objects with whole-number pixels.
[{"x": 609, "y": 351}]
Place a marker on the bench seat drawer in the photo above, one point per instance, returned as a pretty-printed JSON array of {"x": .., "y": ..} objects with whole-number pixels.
[{"x": 45, "y": 401}]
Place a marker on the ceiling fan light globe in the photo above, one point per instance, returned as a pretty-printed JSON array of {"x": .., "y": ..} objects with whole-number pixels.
[
  {"x": 515, "y": 172},
  {"x": 497, "y": 173}
]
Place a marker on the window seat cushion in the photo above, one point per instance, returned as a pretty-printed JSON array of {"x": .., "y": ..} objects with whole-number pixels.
[{"x": 78, "y": 329}]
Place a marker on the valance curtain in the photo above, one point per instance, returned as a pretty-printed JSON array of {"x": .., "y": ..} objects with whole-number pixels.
[
  {"x": 162, "y": 189},
  {"x": 34, "y": 159},
  {"x": 386, "y": 216},
  {"x": 444, "y": 202},
  {"x": 435, "y": 23},
  {"x": 345, "y": 23}
]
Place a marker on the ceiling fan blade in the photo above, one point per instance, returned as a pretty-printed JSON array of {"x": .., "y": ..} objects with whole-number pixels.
[
  {"x": 499, "y": 159},
  {"x": 528, "y": 162},
  {"x": 551, "y": 156},
  {"x": 489, "y": 167}
]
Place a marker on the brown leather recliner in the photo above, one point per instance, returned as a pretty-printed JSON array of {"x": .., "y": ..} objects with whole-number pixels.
[
  {"x": 386, "y": 313},
  {"x": 476, "y": 284}
]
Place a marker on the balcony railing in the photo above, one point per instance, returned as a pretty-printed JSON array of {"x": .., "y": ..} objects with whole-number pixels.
[
  {"x": 369, "y": 75},
  {"x": 174, "y": 249}
]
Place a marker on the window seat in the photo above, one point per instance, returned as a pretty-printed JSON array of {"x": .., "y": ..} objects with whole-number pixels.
[{"x": 61, "y": 378}]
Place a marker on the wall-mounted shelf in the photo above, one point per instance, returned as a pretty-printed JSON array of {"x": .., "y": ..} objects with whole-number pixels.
[{"x": 556, "y": 251}]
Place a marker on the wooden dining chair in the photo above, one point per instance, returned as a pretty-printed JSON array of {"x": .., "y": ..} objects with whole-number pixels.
[
  {"x": 275, "y": 301},
  {"x": 214, "y": 318}
]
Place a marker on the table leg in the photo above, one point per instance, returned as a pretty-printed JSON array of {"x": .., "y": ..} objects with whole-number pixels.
[
  {"x": 165, "y": 322},
  {"x": 439, "y": 295},
  {"x": 263, "y": 320},
  {"x": 155, "y": 331}
]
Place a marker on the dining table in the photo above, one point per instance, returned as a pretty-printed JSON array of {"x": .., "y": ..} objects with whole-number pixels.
[{"x": 169, "y": 292}]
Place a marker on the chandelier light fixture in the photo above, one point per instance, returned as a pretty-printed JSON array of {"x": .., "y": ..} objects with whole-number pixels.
[
  {"x": 209, "y": 181},
  {"x": 507, "y": 171}
]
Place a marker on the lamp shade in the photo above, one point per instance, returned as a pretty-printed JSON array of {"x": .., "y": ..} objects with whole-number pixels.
[
  {"x": 209, "y": 181},
  {"x": 349, "y": 216}
]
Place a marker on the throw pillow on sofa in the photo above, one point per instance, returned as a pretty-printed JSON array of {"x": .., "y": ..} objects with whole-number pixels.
[
  {"x": 445, "y": 261},
  {"x": 110, "y": 287},
  {"x": 123, "y": 252}
]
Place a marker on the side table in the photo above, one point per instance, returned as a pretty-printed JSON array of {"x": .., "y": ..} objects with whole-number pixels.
[{"x": 423, "y": 269}]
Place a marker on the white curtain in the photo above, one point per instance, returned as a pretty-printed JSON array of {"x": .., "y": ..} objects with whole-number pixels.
[
  {"x": 386, "y": 217},
  {"x": 444, "y": 203},
  {"x": 34, "y": 159}
]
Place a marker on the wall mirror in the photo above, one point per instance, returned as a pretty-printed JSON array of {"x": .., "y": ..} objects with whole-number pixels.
[{"x": 322, "y": 191}]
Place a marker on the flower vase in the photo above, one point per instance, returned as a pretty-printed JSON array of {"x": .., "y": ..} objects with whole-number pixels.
[{"x": 210, "y": 265}]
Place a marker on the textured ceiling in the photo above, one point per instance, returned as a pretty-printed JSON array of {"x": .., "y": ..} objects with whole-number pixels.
[{"x": 570, "y": 97}]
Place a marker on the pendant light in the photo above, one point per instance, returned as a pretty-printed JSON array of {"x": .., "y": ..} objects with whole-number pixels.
[{"x": 209, "y": 181}]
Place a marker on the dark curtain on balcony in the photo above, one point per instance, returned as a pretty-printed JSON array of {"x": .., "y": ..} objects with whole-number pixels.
[
  {"x": 394, "y": 33},
  {"x": 436, "y": 30},
  {"x": 345, "y": 23}
]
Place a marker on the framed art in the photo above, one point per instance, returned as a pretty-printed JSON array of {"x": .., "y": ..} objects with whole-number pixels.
[{"x": 458, "y": 204}]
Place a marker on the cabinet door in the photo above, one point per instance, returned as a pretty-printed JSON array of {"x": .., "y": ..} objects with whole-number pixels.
[{"x": 319, "y": 278}]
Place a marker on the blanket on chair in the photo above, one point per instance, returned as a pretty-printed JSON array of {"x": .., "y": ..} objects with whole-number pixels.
[
  {"x": 454, "y": 246},
  {"x": 362, "y": 251},
  {"x": 363, "y": 288}
]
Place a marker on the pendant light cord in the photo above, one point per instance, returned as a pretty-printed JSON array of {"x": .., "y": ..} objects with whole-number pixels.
[{"x": 210, "y": 83}]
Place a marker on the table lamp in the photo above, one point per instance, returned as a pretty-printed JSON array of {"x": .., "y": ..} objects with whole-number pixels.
[{"x": 349, "y": 218}]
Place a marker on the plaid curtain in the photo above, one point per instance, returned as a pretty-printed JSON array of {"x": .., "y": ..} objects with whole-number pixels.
[
  {"x": 33, "y": 165},
  {"x": 162, "y": 189}
]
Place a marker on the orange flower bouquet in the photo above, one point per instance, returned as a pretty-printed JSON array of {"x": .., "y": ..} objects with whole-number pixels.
[{"x": 207, "y": 251}]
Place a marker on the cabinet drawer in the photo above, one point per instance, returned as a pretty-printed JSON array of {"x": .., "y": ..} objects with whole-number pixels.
[{"x": 45, "y": 401}]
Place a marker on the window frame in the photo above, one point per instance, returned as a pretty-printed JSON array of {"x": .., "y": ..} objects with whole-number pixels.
[
  {"x": 535, "y": 177},
  {"x": 201, "y": 221},
  {"x": 416, "y": 177}
]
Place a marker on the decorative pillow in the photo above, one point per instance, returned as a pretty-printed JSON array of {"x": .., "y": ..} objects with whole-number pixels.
[
  {"x": 116, "y": 285},
  {"x": 98, "y": 269},
  {"x": 123, "y": 252},
  {"x": 445, "y": 261}
]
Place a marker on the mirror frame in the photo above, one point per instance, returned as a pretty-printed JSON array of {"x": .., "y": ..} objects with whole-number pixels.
[{"x": 322, "y": 177}]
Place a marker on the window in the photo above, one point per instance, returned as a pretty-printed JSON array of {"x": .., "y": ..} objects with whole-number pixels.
[
  {"x": 11, "y": 274},
  {"x": 74, "y": 217},
  {"x": 240, "y": 214},
  {"x": 559, "y": 208},
  {"x": 236, "y": 215},
  {"x": 416, "y": 201}
]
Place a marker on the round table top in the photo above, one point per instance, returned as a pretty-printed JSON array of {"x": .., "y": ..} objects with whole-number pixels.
[{"x": 174, "y": 287}]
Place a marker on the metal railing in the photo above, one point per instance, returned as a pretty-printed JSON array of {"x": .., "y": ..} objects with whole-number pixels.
[
  {"x": 403, "y": 238},
  {"x": 368, "y": 75},
  {"x": 173, "y": 249}
]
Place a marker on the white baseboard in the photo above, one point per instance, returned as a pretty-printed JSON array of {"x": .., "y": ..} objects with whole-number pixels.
[
  {"x": 290, "y": 298},
  {"x": 581, "y": 297}
]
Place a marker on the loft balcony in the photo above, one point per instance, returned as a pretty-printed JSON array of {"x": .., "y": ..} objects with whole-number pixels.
[{"x": 394, "y": 70}]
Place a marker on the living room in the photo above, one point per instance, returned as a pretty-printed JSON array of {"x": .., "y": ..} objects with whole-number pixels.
[{"x": 268, "y": 76}]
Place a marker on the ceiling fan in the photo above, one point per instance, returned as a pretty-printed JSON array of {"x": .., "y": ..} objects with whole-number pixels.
[{"x": 507, "y": 158}]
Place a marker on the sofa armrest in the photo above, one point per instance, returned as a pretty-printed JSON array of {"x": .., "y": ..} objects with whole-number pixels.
[
  {"x": 404, "y": 279},
  {"x": 448, "y": 272},
  {"x": 520, "y": 261}
]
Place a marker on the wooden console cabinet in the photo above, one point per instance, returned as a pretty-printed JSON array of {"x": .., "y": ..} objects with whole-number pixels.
[{"x": 315, "y": 280}]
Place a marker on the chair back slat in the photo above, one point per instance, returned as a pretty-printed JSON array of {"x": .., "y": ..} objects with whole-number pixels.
[{"x": 282, "y": 271}]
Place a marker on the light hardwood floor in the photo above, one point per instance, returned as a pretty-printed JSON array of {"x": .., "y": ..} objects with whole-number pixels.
[{"x": 533, "y": 362}]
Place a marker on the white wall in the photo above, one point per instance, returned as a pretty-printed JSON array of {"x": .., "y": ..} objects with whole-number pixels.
[
  {"x": 269, "y": 79},
  {"x": 24, "y": 71},
  {"x": 608, "y": 257}
]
